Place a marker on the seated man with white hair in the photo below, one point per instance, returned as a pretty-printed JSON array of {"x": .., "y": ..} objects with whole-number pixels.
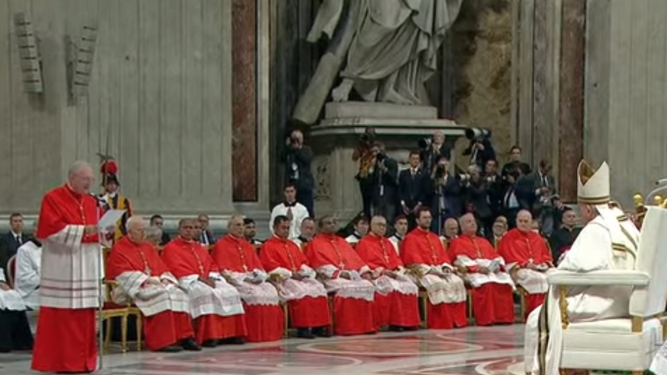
[{"x": 144, "y": 279}]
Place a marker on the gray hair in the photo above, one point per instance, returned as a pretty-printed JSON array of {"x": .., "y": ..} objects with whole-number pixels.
[
  {"x": 133, "y": 220},
  {"x": 474, "y": 168},
  {"x": 153, "y": 232},
  {"x": 77, "y": 166}
]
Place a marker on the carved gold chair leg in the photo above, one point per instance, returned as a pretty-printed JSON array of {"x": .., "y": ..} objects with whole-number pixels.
[
  {"x": 123, "y": 333},
  {"x": 332, "y": 313},
  {"x": 424, "y": 300},
  {"x": 471, "y": 315},
  {"x": 107, "y": 337},
  {"x": 522, "y": 304},
  {"x": 286, "y": 315},
  {"x": 139, "y": 328}
]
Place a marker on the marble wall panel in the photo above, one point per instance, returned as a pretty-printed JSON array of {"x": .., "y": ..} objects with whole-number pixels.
[{"x": 244, "y": 127}]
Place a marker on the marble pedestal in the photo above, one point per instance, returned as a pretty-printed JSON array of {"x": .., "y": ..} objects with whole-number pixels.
[{"x": 337, "y": 136}]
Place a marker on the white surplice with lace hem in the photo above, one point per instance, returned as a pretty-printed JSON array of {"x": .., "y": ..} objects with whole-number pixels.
[
  {"x": 356, "y": 287},
  {"x": 442, "y": 286},
  {"x": 290, "y": 289},
  {"x": 253, "y": 287}
]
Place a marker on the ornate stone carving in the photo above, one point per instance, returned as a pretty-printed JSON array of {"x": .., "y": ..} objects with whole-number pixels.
[
  {"x": 322, "y": 170},
  {"x": 390, "y": 48}
]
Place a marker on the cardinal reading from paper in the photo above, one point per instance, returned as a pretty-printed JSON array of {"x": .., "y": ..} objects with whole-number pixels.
[{"x": 70, "y": 285}]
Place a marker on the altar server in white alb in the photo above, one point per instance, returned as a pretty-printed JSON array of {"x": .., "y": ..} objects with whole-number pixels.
[
  {"x": 294, "y": 211},
  {"x": 28, "y": 266},
  {"x": 602, "y": 245}
]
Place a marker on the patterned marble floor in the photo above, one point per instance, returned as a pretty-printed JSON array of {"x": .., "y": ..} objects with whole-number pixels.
[{"x": 470, "y": 351}]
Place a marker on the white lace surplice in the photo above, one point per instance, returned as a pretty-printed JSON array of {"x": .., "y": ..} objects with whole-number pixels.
[
  {"x": 222, "y": 300},
  {"x": 151, "y": 299},
  {"x": 442, "y": 287},
  {"x": 477, "y": 279},
  {"x": 10, "y": 299},
  {"x": 258, "y": 293},
  {"x": 356, "y": 287},
  {"x": 401, "y": 284},
  {"x": 290, "y": 289}
]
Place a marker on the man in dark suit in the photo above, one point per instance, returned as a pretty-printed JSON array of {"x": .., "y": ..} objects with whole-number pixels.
[
  {"x": 413, "y": 188},
  {"x": 298, "y": 158},
  {"x": 206, "y": 237},
  {"x": 11, "y": 241},
  {"x": 545, "y": 190},
  {"x": 447, "y": 201},
  {"x": 562, "y": 238},
  {"x": 477, "y": 198},
  {"x": 384, "y": 184},
  {"x": 494, "y": 187}
]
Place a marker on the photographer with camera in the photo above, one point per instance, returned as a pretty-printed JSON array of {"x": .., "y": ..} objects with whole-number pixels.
[
  {"x": 480, "y": 148},
  {"x": 447, "y": 200},
  {"x": 384, "y": 186},
  {"x": 298, "y": 158},
  {"x": 519, "y": 193},
  {"x": 365, "y": 156},
  {"x": 476, "y": 188},
  {"x": 545, "y": 193},
  {"x": 432, "y": 149}
]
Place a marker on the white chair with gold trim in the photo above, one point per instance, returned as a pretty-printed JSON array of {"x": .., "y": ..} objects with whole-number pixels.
[{"x": 625, "y": 344}]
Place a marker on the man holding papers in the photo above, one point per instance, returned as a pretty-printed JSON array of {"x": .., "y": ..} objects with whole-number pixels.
[
  {"x": 70, "y": 284},
  {"x": 483, "y": 269}
]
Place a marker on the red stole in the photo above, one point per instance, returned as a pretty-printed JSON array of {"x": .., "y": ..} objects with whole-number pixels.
[
  {"x": 423, "y": 247},
  {"x": 329, "y": 249},
  {"x": 129, "y": 256},
  {"x": 185, "y": 258},
  {"x": 378, "y": 252},
  {"x": 236, "y": 255},
  {"x": 277, "y": 252},
  {"x": 61, "y": 207}
]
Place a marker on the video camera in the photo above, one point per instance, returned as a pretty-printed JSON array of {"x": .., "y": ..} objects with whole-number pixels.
[
  {"x": 477, "y": 134},
  {"x": 425, "y": 143}
]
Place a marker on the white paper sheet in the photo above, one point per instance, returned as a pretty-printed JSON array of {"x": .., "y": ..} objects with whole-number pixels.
[{"x": 110, "y": 219}]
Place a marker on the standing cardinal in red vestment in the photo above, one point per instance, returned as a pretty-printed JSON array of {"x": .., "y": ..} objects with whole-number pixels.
[
  {"x": 296, "y": 282},
  {"x": 142, "y": 276},
  {"x": 70, "y": 280},
  {"x": 215, "y": 305},
  {"x": 492, "y": 287},
  {"x": 240, "y": 264},
  {"x": 345, "y": 274},
  {"x": 528, "y": 258},
  {"x": 424, "y": 254},
  {"x": 396, "y": 296}
]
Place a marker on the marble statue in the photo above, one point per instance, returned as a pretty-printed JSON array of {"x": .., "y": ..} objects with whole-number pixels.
[{"x": 389, "y": 47}]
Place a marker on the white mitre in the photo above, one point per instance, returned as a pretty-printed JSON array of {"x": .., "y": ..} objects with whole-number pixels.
[{"x": 593, "y": 185}]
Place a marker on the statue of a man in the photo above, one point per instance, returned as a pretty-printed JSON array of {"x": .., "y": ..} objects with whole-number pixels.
[{"x": 390, "y": 48}]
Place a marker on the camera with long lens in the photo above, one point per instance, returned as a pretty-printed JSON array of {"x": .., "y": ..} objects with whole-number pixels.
[
  {"x": 425, "y": 143},
  {"x": 380, "y": 157},
  {"x": 439, "y": 171},
  {"x": 477, "y": 134}
]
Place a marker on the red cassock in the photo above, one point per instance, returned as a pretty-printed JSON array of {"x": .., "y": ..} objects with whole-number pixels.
[
  {"x": 185, "y": 258},
  {"x": 492, "y": 302},
  {"x": 307, "y": 312},
  {"x": 264, "y": 322},
  {"x": 423, "y": 247},
  {"x": 351, "y": 315},
  {"x": 66, "y": 339},
  {"x": 396, "y": 309},
  {"x": 164, "y": 328},
  {"x": 522, "y": 248}
]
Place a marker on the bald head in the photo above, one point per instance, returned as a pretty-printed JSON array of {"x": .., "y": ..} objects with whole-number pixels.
[
  {"x": 524, "y": 221},
  {"x": 136, "y": 229},
  {"x": 378, "y": 225},
  {"x": 236, "y": 226},
  {"x": 80, "y": 177},
  {"x": 451, "y": 228},
  {"x": 468, "y": 224}
]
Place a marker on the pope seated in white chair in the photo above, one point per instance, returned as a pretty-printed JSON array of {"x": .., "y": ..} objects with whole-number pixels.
[{"x": 602, "y": 245}]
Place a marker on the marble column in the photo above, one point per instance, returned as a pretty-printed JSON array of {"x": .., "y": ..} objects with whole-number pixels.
[
  {"x": 571, "y": 104},
  {"x": 244, "y": 126},
  {"x": 548, "y": 85}
]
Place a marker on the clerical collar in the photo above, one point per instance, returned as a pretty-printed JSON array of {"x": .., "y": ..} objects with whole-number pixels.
[
  {"x": 288, "y": 204},
  {"x": 37, "y": 243},
  {"x": 357, "y": 235},
  {"x": 303, "y": 239},
  {"x": 400, "y": 238}
]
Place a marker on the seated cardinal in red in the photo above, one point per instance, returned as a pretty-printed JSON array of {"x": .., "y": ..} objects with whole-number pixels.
[
  {"x": 396, "y": 295},
  {"x": 240, "y": 264},
  {"x": 143, "y": 278},
  {"x": 528, "y": 259},
  {"x": 214, "y": 304},
  {"x": 425, "y": 256},
  {"x": 344, "y": 274},
  {"x": 296, "y": 282},
  {"x": 483, "y": 269}
]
